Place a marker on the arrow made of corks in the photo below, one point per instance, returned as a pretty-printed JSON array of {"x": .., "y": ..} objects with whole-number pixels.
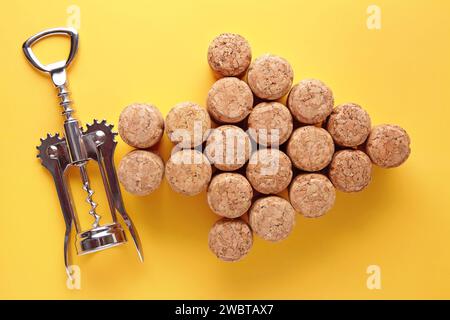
[{"x": 246, "y": 147}]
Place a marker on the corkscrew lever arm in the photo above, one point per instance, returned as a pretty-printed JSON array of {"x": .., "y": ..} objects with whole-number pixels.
[
  {"x": 101, "y": 149},
  {"x": 54, "y": 157},
  {"x": 67, "y": 209},
  {"x": 118, "y": 201}
]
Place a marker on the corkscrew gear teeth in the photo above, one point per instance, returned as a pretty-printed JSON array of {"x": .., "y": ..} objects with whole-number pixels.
[
  {"x": 78, "y": 147},
  {"x": 101, "y": 126},
  {"x": 46, "y": 143}
]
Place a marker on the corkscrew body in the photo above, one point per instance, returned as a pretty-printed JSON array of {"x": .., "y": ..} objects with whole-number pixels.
[{"x": 77, "y": 148}]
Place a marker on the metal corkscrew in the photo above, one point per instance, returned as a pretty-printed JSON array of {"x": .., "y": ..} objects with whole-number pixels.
[{"x": 76, "y": 148}]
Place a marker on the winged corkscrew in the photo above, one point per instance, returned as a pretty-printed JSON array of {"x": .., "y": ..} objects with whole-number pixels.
[{"x": 77, "y": 148}]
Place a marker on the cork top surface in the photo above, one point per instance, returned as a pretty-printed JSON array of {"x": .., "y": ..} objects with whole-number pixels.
[
  {"x": 388, "y": 146},
  {"x": 312, "y": 194},
  {"x": 188, "y": 172},
  {"x": 230, "y": 195},
  {"x": 350, "y": 170},
  {"x": 230, "y": 239},
  {"x": 349, "y": 125},
  {"x": 229, "y": 55},
  {"x": 270, "y": 77},
  {"x": 269, "y": 171},
  {"x": 270, "y": 123},
  {"x": 311, "y": 101},
  {"x": 310, "y": 148},
  {"x": 272, "y": 218},
  {"x": 229, "y": 100},
  {"x": 228, "y": 147},
  {"x": 187, "y": 123},
  {"x": 140, "y": 172},
  {"x": 141, "y": 125}
]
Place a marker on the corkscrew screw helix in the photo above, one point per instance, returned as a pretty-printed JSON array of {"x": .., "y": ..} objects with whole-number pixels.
[{"x": 76, "y": 148}]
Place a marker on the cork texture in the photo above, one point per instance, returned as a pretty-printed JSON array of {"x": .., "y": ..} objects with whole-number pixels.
[
  {"x": 349, "y": 125},
  {"x": 272, "y": 218},
  {"x": 230, "y": 239},
  {"x": 270, "y": 77},
  {"x": 229, "y": 55},
  {"x": 141, "y": 125},
  {"x": 228, "y": 147},
  {"x": 269, "y": 171},
  {"x": 230, "y": 195},
  {"x": 388, "y": 146},
  {"x": 310, "y": 101},
  {"x": 312, "y": 194},
  {"x": 350, "y": 170},
  {"x": 188, "y": 172},
  {"x": 187, "y": 124},
  {"x": 270, "y": 123},
  {"x": 310, "y": 148},
  {"x": 229, "y": 100},
  {"x": 140, "y": 172}
]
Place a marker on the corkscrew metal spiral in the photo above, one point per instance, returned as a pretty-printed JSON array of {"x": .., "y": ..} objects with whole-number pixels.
[
  {"x": 77, "y": 148},
  {"x": 65, "y": 101},
  {"x": 90, "y": 192}
]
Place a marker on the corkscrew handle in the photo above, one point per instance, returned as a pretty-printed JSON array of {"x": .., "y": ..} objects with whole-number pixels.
[
  {"x": 57, "y": 66},
  {"x": 57, "y": 70}
]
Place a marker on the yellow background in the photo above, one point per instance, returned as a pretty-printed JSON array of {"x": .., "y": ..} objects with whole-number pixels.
[{"x": 155, "y": 51}]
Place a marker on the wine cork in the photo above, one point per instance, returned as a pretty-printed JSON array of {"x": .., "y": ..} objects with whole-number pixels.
[
  {"x": 188, "y": 172},
  {"x": 270, "y": 123},
  {"x": 350, "y": 170},
  {"x": 230, "y": 239},
  {"x": 230, "y": 100},
  {"x": 230, "y": 195},
  {"x": 310, "y": 101},
  {"x": 312, "y": 194},
  {"x": 388, "y": 146},
  {"x": 269, "y": 171},
  {"x": 272, "y": 218},
  {"x": 141, "y": 125},
  {"x": 310, "y": 148},
  {"x": 228, "y": 147},
  {"x": 270, "y": 77},
  {"x": 140, "y": 172},
  {"x": 229, "y": 55},
  {"x": 187, "y": 124},
  {"x": 349, "y": 125}
]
